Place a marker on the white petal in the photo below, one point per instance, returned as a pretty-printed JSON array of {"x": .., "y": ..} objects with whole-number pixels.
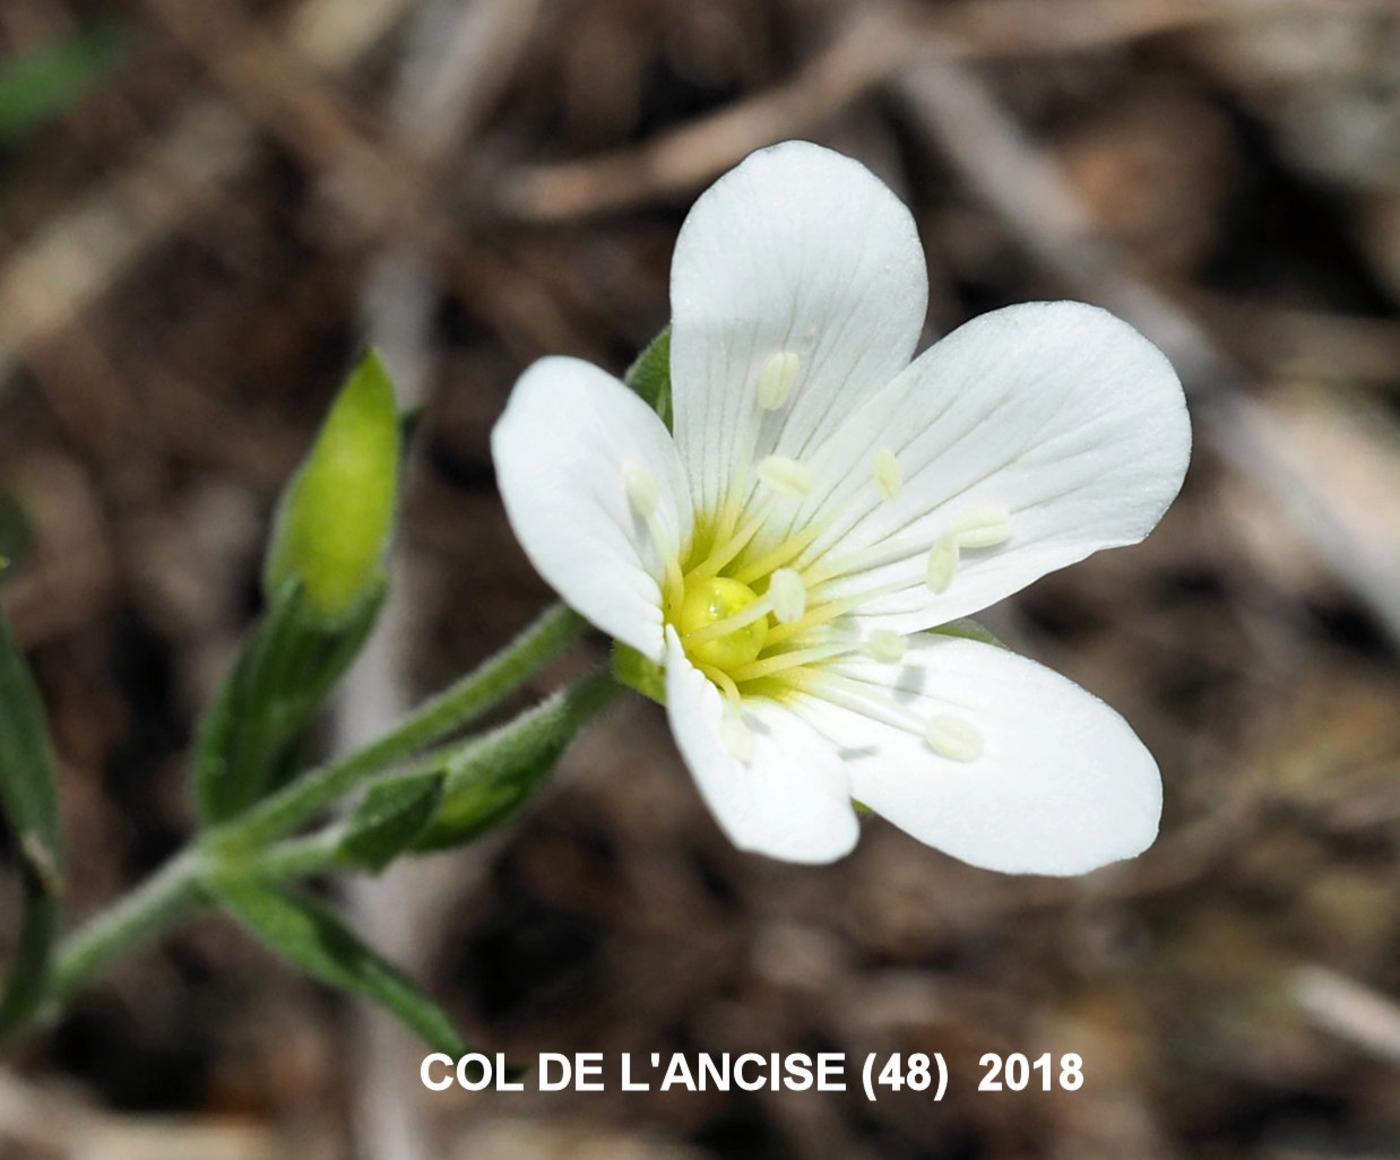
[
  {"x": 798, "y": 286},
  {"x": 572, "y": 444},
  {"x": 1061, "y": 785},
  {"x": 1056, "y": 416},
  {"x": 790, "y": 800}
]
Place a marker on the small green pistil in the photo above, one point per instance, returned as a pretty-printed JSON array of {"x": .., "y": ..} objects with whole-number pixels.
[{"x": 710, "y": 601}]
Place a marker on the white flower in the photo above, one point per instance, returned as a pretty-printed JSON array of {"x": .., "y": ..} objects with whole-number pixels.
[{"x": 825, "y": 502}]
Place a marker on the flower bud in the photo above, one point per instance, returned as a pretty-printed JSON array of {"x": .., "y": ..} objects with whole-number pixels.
[{"x": 337, "y": 514}]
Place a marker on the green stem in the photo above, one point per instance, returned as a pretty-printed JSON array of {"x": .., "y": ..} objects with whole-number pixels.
[
  {"x": 449, "y": 711},
  {"x": 173, "y": 892},
  {"x": 164, "y": 898}
]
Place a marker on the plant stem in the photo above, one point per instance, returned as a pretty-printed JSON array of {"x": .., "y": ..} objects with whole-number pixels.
[
  {"x": 163, "y": 899},
  {"x": 174, "y": 891},
  {"x": 449, "y": 711}
]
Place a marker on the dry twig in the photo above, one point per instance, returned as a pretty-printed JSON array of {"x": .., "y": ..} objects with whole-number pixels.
[{"x": 871, "y": 48}]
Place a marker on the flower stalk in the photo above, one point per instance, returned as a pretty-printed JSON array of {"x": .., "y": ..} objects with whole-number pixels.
[{"x": 247, "y": 847}]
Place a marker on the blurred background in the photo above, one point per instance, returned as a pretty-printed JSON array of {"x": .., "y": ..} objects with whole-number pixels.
[{"x": 208, "y": 207}]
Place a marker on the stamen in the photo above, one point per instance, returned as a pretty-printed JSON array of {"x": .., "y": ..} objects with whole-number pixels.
[
  {"x": 953, "y": 738},
  {"x": 714, "y": 563},
  {"x": 725, "y": 682},
  {"x": 856, "y": 696},
  {"x": 984, "y": 526},
  {"x": 942, "y": 563},
  {"x": 892, "y": 551},
  {"x": 770, "y": 666},
  {"x": 785, "y": 476},
  {"x": 641, "y": 489},
  {"x": 887, "y": 474},
  {"x": 644, "y": 498},
  {"x": 784, "y": 553},
  {"x": 789, "y": 596},
  {"x": 823, "y": 614},
  {"x": 775, "y": 379},
  {"x": 885, "y": 645},
  {"x": 737, "y": 737}
]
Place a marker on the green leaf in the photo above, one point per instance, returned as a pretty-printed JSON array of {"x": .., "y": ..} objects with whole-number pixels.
[
  {"x": 49, "y": 81},
  {"x": 29, "y": 797},
  {"x": 311, "y": 936},
  {"x": 287, "y": 668},
  {"x": 650, "y": 376},
  {"x": 336, "y": 517},
  {"x": 489, "y": 777},
  {"x": 392, "y": 815}
]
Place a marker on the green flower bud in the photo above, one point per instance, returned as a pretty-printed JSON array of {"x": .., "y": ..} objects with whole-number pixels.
[{"x": 337, "y": 514}]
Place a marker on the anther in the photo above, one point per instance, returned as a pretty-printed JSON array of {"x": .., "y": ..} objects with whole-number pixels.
[
  {"x": 953, "y": 738},
  {"x": 984, "y": 526},
  {"x": 885, "y": 645},
  {"x": 775, "y": 379},
  {"x": 887, "y": 475},
  {"x": 942, "y": 563},
  {"x": 785, "y": 476},
  {"x": 641, "y": 489},
  {"x": 737, "y": 737},
  {"x": 789, "y": 596}
]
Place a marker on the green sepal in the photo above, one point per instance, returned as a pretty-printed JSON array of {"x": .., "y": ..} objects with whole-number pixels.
[
  {"x": 336, "y": 516},
  {"x": 968, "y": 629},
  {"x": 29, "y": 798},
  {"x": 287, "y": 668},
  {"x": 312, "y": 937},
  {"x": 650, "y": 376},
  {"x": 489, "y": 777},
  {"x": 638, "y": 672},
  {"x": 389, "y": 818}
]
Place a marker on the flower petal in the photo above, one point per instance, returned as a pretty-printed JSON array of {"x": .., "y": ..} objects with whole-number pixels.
[
  {"x": 790, "y": 801},
  {"x": 797, "y": 278},
  {"x": 569, "y": 441},
  {"x": 1035, "y": 776},
  {"x": 1057, "y": 417}
]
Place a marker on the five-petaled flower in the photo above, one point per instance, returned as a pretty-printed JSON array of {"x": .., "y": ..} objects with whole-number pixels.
[{"x": 825, "y": 503}]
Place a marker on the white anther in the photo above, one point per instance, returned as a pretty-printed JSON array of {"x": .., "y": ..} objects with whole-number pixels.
[
  {"x": 788, "y": 594},
  {"x": 953, "y": 738},
  {"x": 942, "y": 563},
  {"x": 737, "y": 737},
  {"x": 786, "y": 476},
  {"x": 984, "y": 526},
  {"x": 887, "y": 475},
  {"x": 775, "y": 379},
  {"x": 885, "y": 645},
  {"x": 641, "y": 489}
]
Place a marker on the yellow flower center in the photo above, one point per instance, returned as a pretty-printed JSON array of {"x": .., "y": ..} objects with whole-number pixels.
[{"x": 707, "y": 603}]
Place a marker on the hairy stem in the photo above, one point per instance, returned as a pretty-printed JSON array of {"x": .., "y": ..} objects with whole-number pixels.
[
  {"x": 174, "y": 891},
  {"x": 449, "y": 711}
]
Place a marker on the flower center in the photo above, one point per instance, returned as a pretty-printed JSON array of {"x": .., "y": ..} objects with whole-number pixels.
[
  {"x": 762, "y": 619},
  {"x": 718, "y": 602}
]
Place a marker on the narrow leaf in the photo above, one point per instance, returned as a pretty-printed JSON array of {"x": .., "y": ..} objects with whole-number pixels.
[
  {"x": 391, "y": 816},
  {"x": 49, "y": 81},
  {"x": 650, "y": 375},
  {"x": 287, "y": 668},
  {"x": 314, "y": 938},
  {"x": 29, "y": 797}
]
